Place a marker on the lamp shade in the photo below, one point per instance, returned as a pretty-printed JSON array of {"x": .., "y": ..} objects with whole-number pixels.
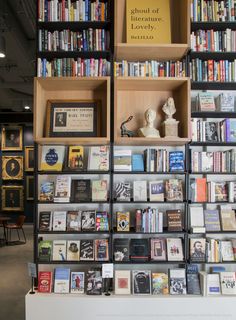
[{"x": 2, "y": 47}]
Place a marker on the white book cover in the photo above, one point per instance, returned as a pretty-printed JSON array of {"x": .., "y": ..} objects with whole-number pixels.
[
  {"x": 213, "y": 284},
  {"x": 174, "y": 249},
  {"x": 63, "y": 188},
  {"x": 98, "y": 159},
  {"x": 52, "y": 158},
  {"x": 227, "y": 251},
  {"x": 140, "y": 190},
  {"x": 177, "y": 281},
  {"x": 59, "y": 250},
  {"x": 207, "y": 161},
  {"x": 62, "y": 280},
  {"x": 59, "y": 220},
  {"x": 228, "y": 283},
  {"x": 122, "y": 282},
  {"x": 73, "y": 250},
  {"x": 196, "y": 216},
  {"x": 122, "y": 160}
]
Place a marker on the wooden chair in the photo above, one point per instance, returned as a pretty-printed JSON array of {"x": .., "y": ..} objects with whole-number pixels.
[{"x": 17, "y": 226}]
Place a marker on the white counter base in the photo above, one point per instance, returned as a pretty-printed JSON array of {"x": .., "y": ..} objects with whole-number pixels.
[{"x": 76, "y": 307}]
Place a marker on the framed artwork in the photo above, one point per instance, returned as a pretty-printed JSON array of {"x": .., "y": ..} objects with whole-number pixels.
[
  {"x": 30, "y": 188},
  {"x": 29, "y": 159},
  {"x": 12, "y": 168},
  {"x": 73, "y": 118},
  {"x": 12, "y": 198},
  {"x": 12, "y": 138}
]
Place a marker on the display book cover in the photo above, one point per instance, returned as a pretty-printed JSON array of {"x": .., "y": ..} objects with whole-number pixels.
[
  {"x": 212, "y": 220},
  {"x": 46, "y": 191},
  {"x": 73, "y": 220},
  {"x": 76, "y": 158},
  {"x": 174, "y": 249},
  {"x": 174, "y": 220},
  {"x": 45, "y": 250},
  {"x": 81, "y": 190},
  {"x": 45, "y": 221},
  {"x": 141, "y": 281},
  {"x": 99, "y": 190},
  {"x": 123, "y": 221},
  {"x": 98, "y": 159},
  {"x": 62, "y": 280},
  {"x": 62, "y": 189},
  {"x": 88, "y": 220},
  {"x": 123, "y": 191},
  {"x": 44, "y": 281},
  {"x": 59, "y": 251},
  {"x": 77, "y": 282},
  {"x": 160, "y": 283},
  {"x": 121, "y": 249},
  {"x": 101, "y": 250},
  {"x": 176, "y": 161},
  {"x": 87, "y": 250},
  {"x": 94, "y": 282},
  {"x": 122, "y": 282},
  {"x": 52, "y": 158},
  {"x": 59, "y": 220},
  {"x": 177, "y": 281},
  {"x": 73, "y": 250},
  {"x": 137, "y": 162},
  {"x": 139, "y": 249},
  {"x": 193, "y": 281}
]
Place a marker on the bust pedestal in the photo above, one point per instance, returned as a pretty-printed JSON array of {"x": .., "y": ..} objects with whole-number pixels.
[{"x": 171, "y": 128}]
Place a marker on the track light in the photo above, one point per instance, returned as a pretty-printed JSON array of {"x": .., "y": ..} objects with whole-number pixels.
[{"x": 2, "y": 47}]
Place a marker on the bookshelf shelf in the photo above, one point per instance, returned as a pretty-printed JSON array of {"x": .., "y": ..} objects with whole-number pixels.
[
  {"x": 73, "y": 54},
  {"x": 149, "y": 233},
  {"x": 73, "y": 25},
  {"x": 150, "y": 202},
  {"x": 77, "y": 203},
  {"x": 150, "y": 262},
  {"x": 74, "y": 232},
  {"x": 149, "y": 173},
  {"x": 213, "y": 144},
  {"x": 221, "y": 25},
  {"x": 213, "y": 85},
  {"x": 213, "y": 55},
  {"x": 213, "y": 173},
  {"x": 72, "y": 262},
  {"x": 72, "y": 172},
  {"x": 201, "y": 114}
]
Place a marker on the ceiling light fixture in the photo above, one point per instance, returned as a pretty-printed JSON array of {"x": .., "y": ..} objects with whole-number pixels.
[{"x": 2, "y": 47}]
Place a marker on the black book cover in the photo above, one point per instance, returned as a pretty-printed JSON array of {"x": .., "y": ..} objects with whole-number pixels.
[
  {"x": 45, "y": 221},
  {"x": 193, "y": 282},
  {"x": 141, "y": 282},
  {"x": 86, "y": 250},
  {"x": 88, "y": 220},
  {"x": 94, "y": 282},
  {"x": 139, "y": 249},
  {"x": 121, "y": 249},
  {"x": 81, "y": 190}
]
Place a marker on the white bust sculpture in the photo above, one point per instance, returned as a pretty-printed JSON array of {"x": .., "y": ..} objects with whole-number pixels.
[
  {"x": 149, "y": 131},
  {"x": 169, "y": 109}
]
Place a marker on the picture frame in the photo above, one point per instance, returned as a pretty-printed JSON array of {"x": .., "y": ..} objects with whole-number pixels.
[
  {"x": 12, "y": 138},
  {"x": 29, "y": 159},
  {"x": 30, "y": 188},
  {"x": 12, "y": 167},
  {"x": 12, "y": 198},
  {"x": 73, "y": 118}
]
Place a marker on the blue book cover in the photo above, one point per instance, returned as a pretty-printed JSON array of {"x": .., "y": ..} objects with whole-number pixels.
[
  {"x": 62, "y": 274},
  {"x": 176, "y": 161},
  {"x": 137, "y": 162},
  {"x": 232, "y": 130},
  {"x": 212, "y": 220}
]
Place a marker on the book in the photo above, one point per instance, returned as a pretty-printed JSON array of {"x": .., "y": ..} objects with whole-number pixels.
[
  {"x": 73, "y": 222},
  {"x": 99, "y": 190},
  {"x": 59, "y": 250},
  {"x": 98, "y": 158},
  {"x": 123, "y": 221},
  {"x": 137, "y": 162},
  {"x": 88, "y": 220},
  {"x": 101, "y": 250},
  {"x": 62, "y": 280},
  {"x": 176, "y": 161},
  {"x": 230, "y": 130},
  {"x": 46, "y": 191},
  {"x": 62, "y": 189},
  {"x": 122, "y": 160},
  {"x": 174, "y": 249},
  {"x": 193, "y": 281},
  {"x": 198, "y": 190},
  {"x": 94, "y": 282},
  {"x": 158, "y": 249},
  {"x": 228, "y": 221},
  {"x": 148, "y": 22},
  {"x": 86, "y": 250},
  {"x": 122, "y": 282},
  {"x": 123, "y": 191},
  {"x": 196, "y": 216},
  {"x": 52, "y": 158},
  {"x": 198, "y": 249},
  {"x": 225, "y": 102},
  {"x": 177, "y": 281},
  {"x": 102, "y": 221},
  {"x": 73, "y": 250},
  {"x": 206, "y": 102},
  {"x": 139, "y": 249},
  {"x": 174, "y": 190},
  {"x": 174, "y": 220},
  {"x": 141, "y": 281},
  {"x": 81, "y": 191},
  {"x": 45, "y": 250},
  {"x": 234, "y": 247},
  {"x": 160, "y": 283},
  {"x": 121, "y": 249},
  {"x": 228, "y": 283},
  {"x": 76, "y": 157},
  {"x": 227, "y": 250},
  {"x": 77, "y": 282},
  {"x": 140, "y": 190},
  {"x": 44, "y": 281},
  {"x": 156, "y": 190},
  {"x": 45, "y": 221},
  {"x": 212, "y": 220},
  {"x": 59, "y": 221},
  {"x": 213, "y": 284}
]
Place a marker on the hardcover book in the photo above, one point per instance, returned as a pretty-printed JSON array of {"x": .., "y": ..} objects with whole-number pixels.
[
  {"x": 94, "y": 282},
  {"x": 198, "y": 249},
  {"x": 122, "y": 282},
  {"x": 44, "y": 282},
  {"x": 206, "y": 101},
  {"x": 137, "y": 162},
  {"x": 174, "y": 190},
  {"x": 52, "y": 158},
  {"x": 174, "y": 220},
  {"x": 141, "y": 281},
  {"x": 99, "y": 190},
  {"x": 86, "y": 250},
  {"x": 228, "y": 221},
  {"x": 122, "y": 160},
  {"x": 176, "y": 161},
  {"x": 102, "y": 221},
  {"x": 76, "y": 158},
  {"x": 77, "y": 282},
  {"x": 140, "y": 190},
  {"x": 81, "y": 191},
  {"x": 213, "y": 284},
  {"x": 212, "y": 220},
  {"x": 123, "y": 221},
  {"x": 156, "y": 190},
  {"x": 121, "y": 249},
  {"x": 59, "y": 250},
  {"x": 88, "y": 220},
  {"x": 211, "y": 133},
  {"x": 139, "y": 249},
  {"x": 98, "y": 159},
  {"x": 160, "y": 283},
  {"x": 101, "y": 250},
  {"x": 196, "y": 216},
  {"x": 227, "y": 250},
  {"x": 62, "y": 280},
  {"x": 228, "y": 283},
  {"x": 174, "y": 249},
  {"x": 177, "y": 281},
  {"x": 73, "y": 221},
  {"x": 59, "y": 221},
  {"x": 225, "y": 102},
  {"x": 46, "y": 191},
  {"x": 73, "y": 250},
  {"x": 45, "y": 250},
  {"x": 123, "y": 191},
  {"x": 230, "y": 130},
  {"x": 158, "y": 249},
  {"x": 45, "y": 221},
  {"x": 193, "y": 281},
  {"x": 62, "y": 189}
]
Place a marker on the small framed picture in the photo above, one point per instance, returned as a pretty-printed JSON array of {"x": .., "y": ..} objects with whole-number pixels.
[
  {"x": 30, "y": 188},
  {"x": 12, "y": 168},
  {"x": 29, "y": 159},
  {"x": 12, "y": 138},
  {"x": 12, "y": 198}
]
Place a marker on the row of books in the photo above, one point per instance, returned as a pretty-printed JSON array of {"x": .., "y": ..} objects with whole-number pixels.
[
  {"x": 74, "y": 158},
  {"x": 152, "y": 160},
  {"x": 73, "y": 250},
  {"x": 67, "y": 10},
  {"x": 150, "y": 69},
  {"x": 213, "y": 41},
  {"x": 213, "y": 131},
  {"x": 213, "y": 161},
  {"x": 204, "y": 10},
  {"x": 86, "y": 220},
  {"x": 211, "y": 70},
  {"x": 212, "y": 191},
  {"x": 69, "y": 67},
  {"x": 67, "y": 40},
  {"x": 206, "y": 101}
]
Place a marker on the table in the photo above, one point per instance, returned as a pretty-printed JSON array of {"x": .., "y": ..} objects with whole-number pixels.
[{"x": 3, "y": 221}]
